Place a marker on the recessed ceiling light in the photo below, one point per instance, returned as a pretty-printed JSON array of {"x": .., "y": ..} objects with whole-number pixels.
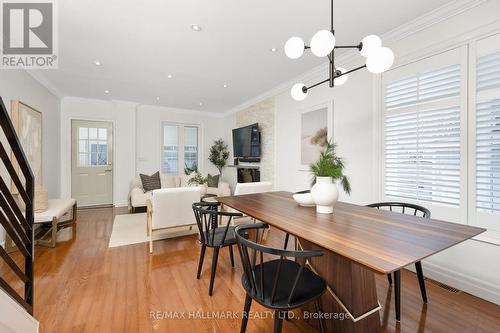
[
  {"x": 97, "y": 63},
  {"x": 201, "y": 104},
  {"x": 169, "y": 76},
  {"x": 106, "y": 91},
  {"x": 195, "y": 27},
  {"x": 273, "y": 49},
  {"x": 225, "y": 86},
  {"x": 157, "y": 98}
]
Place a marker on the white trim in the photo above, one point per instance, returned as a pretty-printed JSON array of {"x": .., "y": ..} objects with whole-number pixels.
[
  {"x": 467, "y": 283},
  {"x": 40, "y": 78},
  {"x": 121, "y": 203},
  {"x": 14, "y": 317},
  {"x": 181, "y": 127},
  {"x": 421, "y": 23}
]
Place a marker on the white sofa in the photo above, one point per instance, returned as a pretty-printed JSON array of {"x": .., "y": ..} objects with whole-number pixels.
[{"x": 138, "y": 198}]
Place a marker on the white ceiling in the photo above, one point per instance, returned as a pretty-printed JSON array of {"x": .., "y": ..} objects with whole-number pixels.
[{"x": 140, "y": 42}]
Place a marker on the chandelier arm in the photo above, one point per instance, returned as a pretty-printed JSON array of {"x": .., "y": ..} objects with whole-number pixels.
[
  {"x": 352, "y": 70},
  {"x": 359, "y": 46},
  {"x": 305, "y": 89}
]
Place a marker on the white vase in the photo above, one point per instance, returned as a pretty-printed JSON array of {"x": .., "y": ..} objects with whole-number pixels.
[{"x": 325, "y": 194}]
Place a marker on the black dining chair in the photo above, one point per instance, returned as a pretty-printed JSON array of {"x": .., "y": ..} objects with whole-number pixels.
[
  {"x": 212, "y": 234},
  {"x": 278, "y": 284},
  {"x": 416, "y": 210}
]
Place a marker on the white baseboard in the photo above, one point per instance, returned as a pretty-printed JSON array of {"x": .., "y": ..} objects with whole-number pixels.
[
  {"x": 467, "y": 283},
  {"x": 122, "y": 203}
]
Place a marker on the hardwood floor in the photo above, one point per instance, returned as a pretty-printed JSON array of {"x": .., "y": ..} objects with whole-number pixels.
[{"x": 84, "y": 286}]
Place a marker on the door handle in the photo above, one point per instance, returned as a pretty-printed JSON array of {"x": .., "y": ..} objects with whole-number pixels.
[{"x": 109, "y": 168}]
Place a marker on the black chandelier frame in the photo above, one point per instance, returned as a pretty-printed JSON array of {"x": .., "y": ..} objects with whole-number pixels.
[{"x": 333, "y": 71}]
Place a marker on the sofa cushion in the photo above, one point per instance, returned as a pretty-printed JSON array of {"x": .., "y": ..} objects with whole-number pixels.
[
  {"x": 150, "y": 183},
  {"x": 212, "y": 181},
  {"x": 170, "y": 181}
]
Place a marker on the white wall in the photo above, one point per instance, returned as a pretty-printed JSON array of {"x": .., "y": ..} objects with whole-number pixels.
[
  {"x": 137, "y": 128},
  {"x": 19, "y": 85},
  {"x": 471, "y": 266}
]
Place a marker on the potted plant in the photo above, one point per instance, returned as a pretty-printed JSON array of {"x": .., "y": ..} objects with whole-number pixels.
[
  {"x": 196, "y": 179},
  {"x": 219, "y": 153},
  {"x": 326, "y": 171}
]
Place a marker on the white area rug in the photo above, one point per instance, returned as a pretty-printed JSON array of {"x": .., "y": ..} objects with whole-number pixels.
[{"x": 132, "y": 229}]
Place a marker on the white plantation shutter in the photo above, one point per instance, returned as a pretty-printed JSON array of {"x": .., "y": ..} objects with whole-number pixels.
[
  {"x": 487, "y": 131},
  {"x": 422, "y": 132},
  {"x": 488, "y": 156}
]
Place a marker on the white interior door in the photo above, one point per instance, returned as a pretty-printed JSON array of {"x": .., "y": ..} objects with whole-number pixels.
[{"x": 92, "y": 162}]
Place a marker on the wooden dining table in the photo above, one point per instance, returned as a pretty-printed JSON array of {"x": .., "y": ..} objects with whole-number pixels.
[{"x": 358, "y": 242}]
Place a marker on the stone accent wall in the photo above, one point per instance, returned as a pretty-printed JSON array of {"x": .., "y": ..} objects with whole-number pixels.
[{"x": 262, "y": 113}]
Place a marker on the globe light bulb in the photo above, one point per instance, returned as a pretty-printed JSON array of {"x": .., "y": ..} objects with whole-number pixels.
[
  {"x": 341, "y": 80},
  {"x": 294, "y": 47},
  {"x": 322, "y": 43},
  {"x": 370, "y": 44},
  {"x": 298, "y": 93},
  {"x": 380, "y": 60}
]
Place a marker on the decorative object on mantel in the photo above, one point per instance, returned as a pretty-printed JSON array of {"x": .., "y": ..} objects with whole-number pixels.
[
  {"x": 323, "y": 44},
  {"x": 328, "y": 168},
  {"x": 219, "y": 153}
]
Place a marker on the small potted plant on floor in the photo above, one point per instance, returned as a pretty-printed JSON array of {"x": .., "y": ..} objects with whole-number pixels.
[{"x": 326, "y": 171}]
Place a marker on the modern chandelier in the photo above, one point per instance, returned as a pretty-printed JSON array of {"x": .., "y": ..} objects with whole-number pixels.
[{"x": 378, "y": 58}]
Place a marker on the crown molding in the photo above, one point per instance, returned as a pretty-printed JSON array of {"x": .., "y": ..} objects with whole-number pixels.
[
  {"x": 423, "y": 22},
  {"x": 40, "y": 78}
]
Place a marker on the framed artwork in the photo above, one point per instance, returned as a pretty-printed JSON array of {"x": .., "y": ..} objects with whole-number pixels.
[
  {"x": 316, "y": 128},
  {"x": 28, "y": 125}
]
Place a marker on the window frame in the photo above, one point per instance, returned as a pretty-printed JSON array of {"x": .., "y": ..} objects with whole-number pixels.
[
  {"x": 452, "y": 214},
  {"x": 181, "y": 134}
]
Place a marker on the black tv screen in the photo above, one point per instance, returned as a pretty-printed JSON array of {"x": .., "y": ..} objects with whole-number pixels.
[{"x": 246, "y": 141}]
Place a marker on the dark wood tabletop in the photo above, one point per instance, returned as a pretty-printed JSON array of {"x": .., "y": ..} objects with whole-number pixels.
[{"x": 380, "y": 240}]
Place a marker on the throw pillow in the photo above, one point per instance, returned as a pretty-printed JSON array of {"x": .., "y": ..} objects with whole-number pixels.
[
  {"x": 213, "y": 181},
  {"x": 152, "y": 182}
]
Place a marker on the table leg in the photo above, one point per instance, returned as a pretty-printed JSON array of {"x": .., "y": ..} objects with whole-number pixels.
[{"x": 351, "y": 287}]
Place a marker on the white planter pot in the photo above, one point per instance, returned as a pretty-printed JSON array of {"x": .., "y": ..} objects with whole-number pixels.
[{"x": 324, "y": 194}]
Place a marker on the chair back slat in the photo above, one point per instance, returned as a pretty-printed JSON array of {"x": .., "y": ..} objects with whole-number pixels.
[
  {"x": 254, "y": 268},
  {"x": 403, "y": 205},
  {"x": 207, "y": 216}
]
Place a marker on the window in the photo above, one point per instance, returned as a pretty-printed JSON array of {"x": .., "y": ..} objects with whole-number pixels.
[
  {"x": 484, "y": 201},
  {"x": 422, "y": 131},
  {"x": 92, "y": 146},
  {"x": 179, "y": 149}
]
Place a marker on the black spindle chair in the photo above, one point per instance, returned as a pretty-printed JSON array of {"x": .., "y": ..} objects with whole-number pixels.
[
  {"x": 415, "y": 210},
  {"x": 213, "y": 235},
  {"x": 280, "y": 284}
]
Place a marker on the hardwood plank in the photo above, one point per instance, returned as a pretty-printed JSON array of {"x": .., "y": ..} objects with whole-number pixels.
[{"x": 380, "y": 240}]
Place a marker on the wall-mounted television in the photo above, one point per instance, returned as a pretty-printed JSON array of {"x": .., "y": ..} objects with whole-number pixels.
[{"x": 246, "y": 141}]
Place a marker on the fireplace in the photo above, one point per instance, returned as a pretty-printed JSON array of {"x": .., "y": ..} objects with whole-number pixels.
[{"x": 248, "y": 175}]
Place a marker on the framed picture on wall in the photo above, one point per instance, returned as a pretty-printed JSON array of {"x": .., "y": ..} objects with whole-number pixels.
[
  {"x": 316, "y": 128},
  {"x": 28, "y": 125}
]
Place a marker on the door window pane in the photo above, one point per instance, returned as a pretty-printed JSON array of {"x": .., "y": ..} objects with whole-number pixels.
[
  {"x": 170, "y": 165},
  {"x": 92, "y": 146},
  {"x": 191, "y": 148}
]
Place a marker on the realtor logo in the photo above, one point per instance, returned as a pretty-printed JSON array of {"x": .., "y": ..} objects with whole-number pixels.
[{"x": 28, "y": 34}]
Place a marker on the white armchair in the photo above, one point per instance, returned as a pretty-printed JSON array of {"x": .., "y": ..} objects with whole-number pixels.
[
  {"x": 171, "y": 208},
  {"x": 251, "y": 188}
]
